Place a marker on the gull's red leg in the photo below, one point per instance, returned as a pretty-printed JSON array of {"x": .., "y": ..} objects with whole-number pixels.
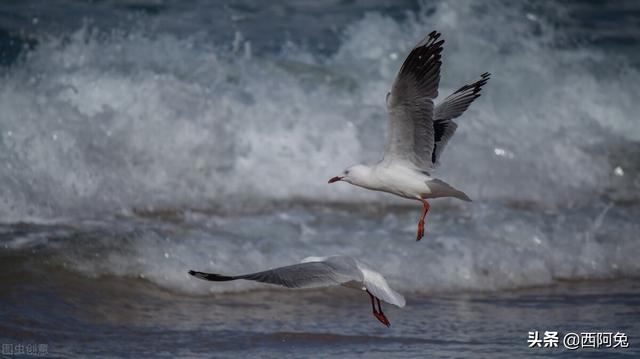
[
  {"x": 425, "y": 209},
  {"x": 379, "y": 315},
  {"x": 382, "y": 318},
  {"x": 373, "y": 306}
]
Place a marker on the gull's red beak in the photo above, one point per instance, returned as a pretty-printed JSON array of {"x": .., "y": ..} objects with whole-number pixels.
[{"x": 335, "y": 179}]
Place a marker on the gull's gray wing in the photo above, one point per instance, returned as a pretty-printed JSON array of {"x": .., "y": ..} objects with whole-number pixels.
[
  {"x": 453, "y": 106},
  {"x": 332, "y": 271},
  {"x": 410, "y": 135}
]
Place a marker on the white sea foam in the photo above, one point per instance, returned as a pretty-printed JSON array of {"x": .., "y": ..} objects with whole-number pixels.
[
  {"x": 95, "y": 124},
  {"x": 486, "y": 247}
]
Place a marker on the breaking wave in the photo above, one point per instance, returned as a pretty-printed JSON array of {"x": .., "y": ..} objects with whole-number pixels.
[
  {"x": 96, "y": 122},
  {"x": 145, "y": 153}
]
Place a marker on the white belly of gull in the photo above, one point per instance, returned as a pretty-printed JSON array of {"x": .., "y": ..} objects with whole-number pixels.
[{"x": 402, "y": 181}]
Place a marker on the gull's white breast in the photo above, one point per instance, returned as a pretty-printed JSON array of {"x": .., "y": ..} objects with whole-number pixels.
[{"x": 401, "y": 181}]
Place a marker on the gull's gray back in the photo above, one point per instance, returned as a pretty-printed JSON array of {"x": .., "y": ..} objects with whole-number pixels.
[{"x": 329, "y": 271}]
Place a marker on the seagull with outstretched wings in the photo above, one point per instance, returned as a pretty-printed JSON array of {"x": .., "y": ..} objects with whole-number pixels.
[
  {"x": 418, "y": 131},
  {"x": 314, "y": 272}
]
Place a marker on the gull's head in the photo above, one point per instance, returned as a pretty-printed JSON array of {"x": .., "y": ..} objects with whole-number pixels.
[{"x": 355, "y": 175}]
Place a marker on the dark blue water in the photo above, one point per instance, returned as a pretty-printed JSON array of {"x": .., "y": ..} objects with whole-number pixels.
[{"x": 142, "y": 139}]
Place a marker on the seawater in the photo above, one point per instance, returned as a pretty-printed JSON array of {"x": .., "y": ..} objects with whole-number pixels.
[{"x": 138, "y": 141}]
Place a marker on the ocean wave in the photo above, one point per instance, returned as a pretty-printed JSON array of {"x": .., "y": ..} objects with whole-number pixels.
[
  {"x": 97, "y": 123},
  {"x": 476, "y": 248}
]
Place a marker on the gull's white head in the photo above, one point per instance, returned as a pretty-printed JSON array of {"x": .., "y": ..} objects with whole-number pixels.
[{"x": 357, "y": 175}]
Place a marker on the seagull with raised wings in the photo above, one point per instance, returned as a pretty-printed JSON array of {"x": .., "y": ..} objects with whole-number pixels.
[
  {"x": 417, "y": 131},
  {"x": 315, "y": 272}
]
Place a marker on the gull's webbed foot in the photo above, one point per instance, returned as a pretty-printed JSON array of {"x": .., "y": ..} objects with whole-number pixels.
[{"x": 382, "y": 318}]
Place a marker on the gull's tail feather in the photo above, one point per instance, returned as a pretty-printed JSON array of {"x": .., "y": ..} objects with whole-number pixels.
[
  {"x": 211, "y": 276},
  {"x": 440, "y": 188},
  {"x": 463, "y": 196}
]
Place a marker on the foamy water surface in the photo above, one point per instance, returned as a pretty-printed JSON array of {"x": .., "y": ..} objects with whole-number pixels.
[{"x": 138, "y": 141}]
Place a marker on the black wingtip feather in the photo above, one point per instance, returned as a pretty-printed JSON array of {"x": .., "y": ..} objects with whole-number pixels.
[
  {"x": 424, "y": 57},
  {"x": 211, "y": 276},
  {"x": 476, "y": 86}
]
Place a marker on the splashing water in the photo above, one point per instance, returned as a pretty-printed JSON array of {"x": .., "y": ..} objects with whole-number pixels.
[
  {"x": 96, "y": 123},
  {"x": 111, "y": 124}
]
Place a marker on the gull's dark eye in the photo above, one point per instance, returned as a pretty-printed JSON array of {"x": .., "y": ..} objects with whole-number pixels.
[{"x": 346, "y": 172}]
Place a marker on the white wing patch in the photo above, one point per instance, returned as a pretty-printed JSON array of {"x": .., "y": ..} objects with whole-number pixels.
[{"x": 377, "y": 285}]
